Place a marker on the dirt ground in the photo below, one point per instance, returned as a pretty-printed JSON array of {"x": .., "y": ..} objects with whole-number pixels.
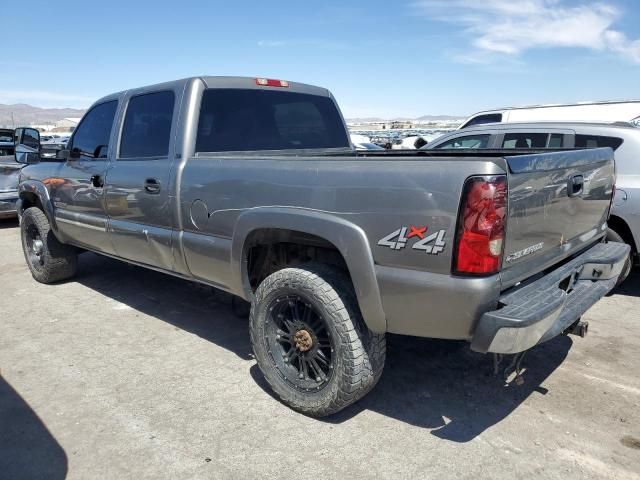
[{"x": 129, "y": 373}]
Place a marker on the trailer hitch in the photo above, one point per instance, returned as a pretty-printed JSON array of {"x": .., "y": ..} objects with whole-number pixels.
[
  {"x": 578, "y": 328},
  {"x": 514, "y": 367}
]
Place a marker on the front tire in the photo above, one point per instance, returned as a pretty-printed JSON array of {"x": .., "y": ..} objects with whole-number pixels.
[
  {"x": 613, "y": 236},
  {"x": 310, "y": 341},
  {"x": 48, "y": 260}
]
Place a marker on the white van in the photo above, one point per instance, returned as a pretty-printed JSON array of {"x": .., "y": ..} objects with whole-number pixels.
[{"x": 613, "y": 111}]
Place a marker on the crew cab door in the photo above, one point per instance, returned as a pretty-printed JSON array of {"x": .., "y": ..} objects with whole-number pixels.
[
  {"x": 138, "y": 190},
  {"x": 77, "y": 188}
]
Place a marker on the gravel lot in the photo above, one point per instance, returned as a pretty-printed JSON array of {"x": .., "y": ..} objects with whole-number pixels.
[{"x": 128, "y": 373}]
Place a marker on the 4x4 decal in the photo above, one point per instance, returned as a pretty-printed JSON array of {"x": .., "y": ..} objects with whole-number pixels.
[{"x": 431, "y": 244}]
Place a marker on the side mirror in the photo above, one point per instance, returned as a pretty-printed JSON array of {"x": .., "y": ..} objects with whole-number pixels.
[{"x": 27, "y": 149}]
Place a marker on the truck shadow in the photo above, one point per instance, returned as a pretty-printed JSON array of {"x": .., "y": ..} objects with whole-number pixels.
[
  {"x": 27, "y": 448},
  {"x": 445, "y": 387},
  {"x": 195, "y": 308},
  {"x": 8, "y": 223},
  {"x": 434, "y": 384},
  {"x": 631, "y": 286}
]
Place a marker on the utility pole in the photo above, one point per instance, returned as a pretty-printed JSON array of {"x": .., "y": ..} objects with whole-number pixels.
[{"x": 13, "y": 122}]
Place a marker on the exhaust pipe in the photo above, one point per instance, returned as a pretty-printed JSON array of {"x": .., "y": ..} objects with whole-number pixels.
[{"x": 579, "y": 328}]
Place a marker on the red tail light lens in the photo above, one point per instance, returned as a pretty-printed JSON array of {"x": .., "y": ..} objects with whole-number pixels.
[
  {"x": 481, "y": 225},
  {"x": 270, "y": 82}
]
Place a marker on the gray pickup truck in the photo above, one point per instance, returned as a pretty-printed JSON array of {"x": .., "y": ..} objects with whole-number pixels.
[{"x": 252, "y": 186}]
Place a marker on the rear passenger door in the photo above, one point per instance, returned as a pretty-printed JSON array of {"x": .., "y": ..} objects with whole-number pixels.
[{"x": 138, "y": 186}]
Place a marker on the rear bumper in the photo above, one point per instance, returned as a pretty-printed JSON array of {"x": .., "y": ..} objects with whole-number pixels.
[
  {"x": 8, "y": 202},
  {"x": 542, "y": 309}
]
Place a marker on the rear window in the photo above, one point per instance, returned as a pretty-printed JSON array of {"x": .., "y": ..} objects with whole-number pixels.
[
  {"x": 245, "y": 120},
  {"x": 597, "y": 141},
  {"x": 482, "y": 119}
]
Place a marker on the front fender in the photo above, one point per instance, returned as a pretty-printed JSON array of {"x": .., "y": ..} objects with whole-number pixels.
[
  {"x": 33, "y": 188},
  {"x": 348, "y": 238}
]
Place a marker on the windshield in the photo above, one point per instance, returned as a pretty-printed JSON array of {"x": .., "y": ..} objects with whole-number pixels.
[{"x": 245, "y": 120}]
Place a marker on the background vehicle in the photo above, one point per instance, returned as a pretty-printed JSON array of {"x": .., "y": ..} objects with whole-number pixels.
[
  {"x": 251, "y": 186},
  {"x": 50, "y": 149},
  {"x": 10, "y": 168},
  {"x": 614, "y": 111},
  {"x": 624, "y": 223},
  {"x": 362, "y": 142},
  {"x": 411, "y": 143},
  {"x": 9, "y": 171}
]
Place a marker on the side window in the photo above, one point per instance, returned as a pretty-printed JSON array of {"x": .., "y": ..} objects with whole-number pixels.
[
  {"x": 482, "y": 119},
  {"x": 147, "y": 126},
  {"x": 595, "y": 141},
  {"x": 556, "y": 140},
  {"x": 525, "y": 140},
  {"x": 91, "y": 137},
  {"x": 470, "y": 141}
]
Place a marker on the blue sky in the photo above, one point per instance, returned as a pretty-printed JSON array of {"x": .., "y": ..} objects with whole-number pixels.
[{"x": 379, "y": 58}]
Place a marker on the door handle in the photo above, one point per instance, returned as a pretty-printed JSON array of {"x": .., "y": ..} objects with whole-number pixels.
[
  {"x": 152, "y": 185},
  {"x": 97, "y": 181},
  {"x": 575, "y": 185}
]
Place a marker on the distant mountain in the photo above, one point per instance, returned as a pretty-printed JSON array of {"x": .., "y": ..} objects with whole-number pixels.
[
  {"x": 365, "y": 119},
  {"x": 28, "y": 115},
  {"x": 428, "y": 118}
]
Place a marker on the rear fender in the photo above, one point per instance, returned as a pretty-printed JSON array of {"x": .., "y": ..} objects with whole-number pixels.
[{"x": 349, "y": 239}]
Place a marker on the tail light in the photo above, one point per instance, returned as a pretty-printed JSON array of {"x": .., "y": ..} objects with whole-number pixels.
[{"x": 481, "y": 226}]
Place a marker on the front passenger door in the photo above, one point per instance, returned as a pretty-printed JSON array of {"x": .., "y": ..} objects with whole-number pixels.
[{"x": 77, "y": 187}]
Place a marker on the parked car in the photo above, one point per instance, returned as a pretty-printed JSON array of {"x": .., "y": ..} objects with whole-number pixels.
[
  {"x": 9, "y": 171},
  {"x": 624, "y": 223},
  {"x": 51, "y": 149},
  {"x": 10, "y": 168},
  {"x": 362, "y": 142},
  {"x": 612, "y": 111},
  {"x": 410, "y": 143},
  {"x": 251, "y": 186}
]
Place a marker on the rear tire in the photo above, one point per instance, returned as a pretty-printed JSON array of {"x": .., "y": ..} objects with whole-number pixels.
[
  {"x": 613, "y": 236},
  {"x": 310, "y": 341},
  {"x": 48, "y": 260}
]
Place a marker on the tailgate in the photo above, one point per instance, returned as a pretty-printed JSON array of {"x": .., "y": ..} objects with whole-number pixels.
[{"x": 558, "y": 204}]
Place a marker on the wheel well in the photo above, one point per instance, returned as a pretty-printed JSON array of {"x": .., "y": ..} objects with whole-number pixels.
[
  {"x": 30, "y": 200},
  {"x": 618, "y": 225},
  {"x": 269, "y": 250}
]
